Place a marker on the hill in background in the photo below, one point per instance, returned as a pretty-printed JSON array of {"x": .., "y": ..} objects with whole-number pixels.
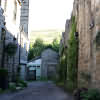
[{"x": 46, "y": 35}]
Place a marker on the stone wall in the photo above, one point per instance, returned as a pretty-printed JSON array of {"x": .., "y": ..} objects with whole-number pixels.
[
  {"x": 17, "y": 28},
  {"x": 49, "y": 63},
  {"x": 2, "y": 26},
  {"x": 87, "y": 15},
  {"x": 96, "y": 74},
  {"x": 24, "y": 34},
  {"x": 24, "y": 15},
  {"x": 88, "y": 27}
]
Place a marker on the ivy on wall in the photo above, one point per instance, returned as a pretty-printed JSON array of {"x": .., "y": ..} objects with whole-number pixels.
[
  {"x": 72, "y": 58},
  {"x": 68, "y": 60},
  {"x": 11, "y": 49},
  {"x": 98, "y": 39},
  {"x": 63, "y": 66}
]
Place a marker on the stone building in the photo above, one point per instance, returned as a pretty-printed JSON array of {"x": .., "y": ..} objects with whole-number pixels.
[
  {"x": 87, "y": 15},
  {"x": 49, "y": 63},
  {"x": 16, "y": 14},
  {"x": 2, "y": 31},
  {"x": 65, "y": 37},
  {"x": 44, "y": 66}
]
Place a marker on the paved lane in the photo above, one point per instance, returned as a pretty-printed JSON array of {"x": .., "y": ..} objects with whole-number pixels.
[{"x": 38, "y": 91}]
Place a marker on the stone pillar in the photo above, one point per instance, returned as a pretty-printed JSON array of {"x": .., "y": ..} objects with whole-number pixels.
[{"x": 25, "y": 15}]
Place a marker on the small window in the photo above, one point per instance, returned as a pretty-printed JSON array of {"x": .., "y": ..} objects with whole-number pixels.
[{"x": 38, "y": 66}]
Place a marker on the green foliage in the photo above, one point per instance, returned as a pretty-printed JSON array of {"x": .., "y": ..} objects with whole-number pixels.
[
  {"x": 11, "y": 49},
  {"x": 36, "y": 49},
  {"x": 60, "y": 84},
  {"x": 21, "y": 83},
  {"x": 85, "y": 76},
  {"x": 39, "y": 45},
  {"x": 43, "y": 79},
  {"x": 72, "y": 58},
  {"x": 24, "y": 84},
  {"x": 91, "y": 94},
  {"x": 98, "y": 39},
  {"x": 63, "y": 68},
  {"x": 3, "y": 72},
  {"x": 1, "y": 90},
  {"x": 46, "y": 35},
  {"x": 55, "y": 45},
  {"x": 68, "y": 60},
  {"x": 12, "y": 87}
]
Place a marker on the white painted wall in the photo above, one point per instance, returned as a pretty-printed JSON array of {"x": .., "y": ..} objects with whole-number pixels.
[{"x": 38, "y": 69}]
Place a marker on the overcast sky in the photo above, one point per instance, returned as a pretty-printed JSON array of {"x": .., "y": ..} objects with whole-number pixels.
[{"x": 49, "y": 14}]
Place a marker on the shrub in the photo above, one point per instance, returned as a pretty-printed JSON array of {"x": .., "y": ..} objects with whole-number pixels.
[
  {"x": 3, "y": 72},
  {"x": 77, "y": 93},
  {"x": 91, "y": 94},
  {"x": 11, "y": 49},
  {"x": 72, "y": 55},
  {"x": 12, "y": 87},
  {"x": 43, "y": 79},
  {"x": 22, "y": 83},
  {"x": 1, "y": 90}
]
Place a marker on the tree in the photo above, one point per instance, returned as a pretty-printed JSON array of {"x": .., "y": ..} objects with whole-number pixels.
[
  {"x": 36, "y": 49},
  {"x": 55, "y": 45}
]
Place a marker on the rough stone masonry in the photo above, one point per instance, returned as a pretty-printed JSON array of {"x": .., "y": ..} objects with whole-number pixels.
[
  {"x": 16, "y": 14},
  {"x": 87, "y": 14}
]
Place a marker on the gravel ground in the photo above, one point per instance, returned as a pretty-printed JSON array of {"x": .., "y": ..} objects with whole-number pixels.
[{"x": 38, "y": 91}]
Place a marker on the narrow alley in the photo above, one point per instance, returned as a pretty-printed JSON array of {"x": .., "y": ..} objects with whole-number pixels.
[
  {"x": 55, "y": 40},
  {"x": 38, "y": 91}
]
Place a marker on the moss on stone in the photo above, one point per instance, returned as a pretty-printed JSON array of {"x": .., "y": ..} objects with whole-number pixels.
[{"x": 72, "y": 58}]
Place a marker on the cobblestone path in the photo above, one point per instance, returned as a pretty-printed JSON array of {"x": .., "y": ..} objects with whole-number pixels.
[{"x": 38, "y": 91}]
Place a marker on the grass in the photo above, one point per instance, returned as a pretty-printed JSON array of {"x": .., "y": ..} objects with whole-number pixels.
[
  {"x": 43, "y": 79},
  {"x": 3, "y": 91},
  {"x": 47, "y": 35}
]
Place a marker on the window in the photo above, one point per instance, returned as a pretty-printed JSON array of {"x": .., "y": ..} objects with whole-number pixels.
[
  {"x": 38, "y": 66},
  {"x": 34, "y": 66}
]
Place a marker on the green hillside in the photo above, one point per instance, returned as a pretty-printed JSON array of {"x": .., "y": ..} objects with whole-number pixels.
[{"x": 47, "y": 35}]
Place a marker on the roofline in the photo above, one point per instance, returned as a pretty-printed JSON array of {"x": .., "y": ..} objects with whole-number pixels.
[{"x": 34, "y": 59}]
